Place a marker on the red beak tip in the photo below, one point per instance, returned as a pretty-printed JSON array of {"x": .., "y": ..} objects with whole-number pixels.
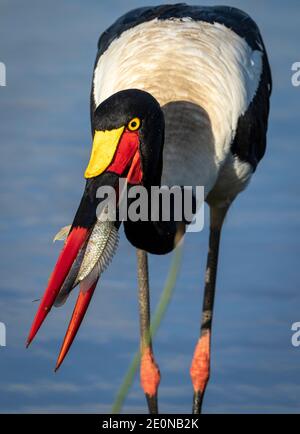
[
  {"x": 67, "y": 256},
  {"x": 59, "y": 362}
]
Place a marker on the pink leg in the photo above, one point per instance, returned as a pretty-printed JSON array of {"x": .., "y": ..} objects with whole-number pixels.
[
  {"x": 150, "y": 376},
  {"x": 200, "y": 368}
]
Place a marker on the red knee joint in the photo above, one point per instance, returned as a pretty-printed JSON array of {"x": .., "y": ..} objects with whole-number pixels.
[
  {"x": 150, "y": 375},
  {"x": 201, "y": 363}
]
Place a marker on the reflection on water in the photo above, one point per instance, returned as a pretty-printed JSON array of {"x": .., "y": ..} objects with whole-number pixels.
[{"x": 45, "y": 143}]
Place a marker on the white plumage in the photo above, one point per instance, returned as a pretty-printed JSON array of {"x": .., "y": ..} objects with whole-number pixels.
[{"x": 204, "y": 76}]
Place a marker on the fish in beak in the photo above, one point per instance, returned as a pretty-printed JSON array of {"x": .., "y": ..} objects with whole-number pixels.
[{"x": 91, "y": 241}]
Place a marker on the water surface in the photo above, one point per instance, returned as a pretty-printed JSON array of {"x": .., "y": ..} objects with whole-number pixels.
[{"x": 49, "y": 50}]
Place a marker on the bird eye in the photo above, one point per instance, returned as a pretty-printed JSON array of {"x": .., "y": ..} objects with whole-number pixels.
[{"x": 134, "y": 124}]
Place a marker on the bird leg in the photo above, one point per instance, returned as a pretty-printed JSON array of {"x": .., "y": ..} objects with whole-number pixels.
[
  {"x": 200, "y": 367},
  {"x": 149, "y": 373}
]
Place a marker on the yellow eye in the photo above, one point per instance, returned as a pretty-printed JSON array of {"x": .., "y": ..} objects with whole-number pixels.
[{"x": 134, "y": 124}]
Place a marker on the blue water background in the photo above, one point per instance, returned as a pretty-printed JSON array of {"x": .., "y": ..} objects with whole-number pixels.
[{"x": 49, "y": 50}]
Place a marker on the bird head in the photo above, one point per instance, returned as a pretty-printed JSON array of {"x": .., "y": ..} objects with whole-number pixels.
[
  {"x": 128, "y": 131},
  {"x": 128, "y": 136}
]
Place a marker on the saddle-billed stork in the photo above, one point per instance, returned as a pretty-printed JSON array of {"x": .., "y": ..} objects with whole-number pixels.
[{"x": 180, "y": 96}]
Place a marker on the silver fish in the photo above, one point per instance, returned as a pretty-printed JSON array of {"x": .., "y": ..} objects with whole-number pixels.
[
  {"x": 101, "y": 247},
  {"x": 91, "y": 260}
]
